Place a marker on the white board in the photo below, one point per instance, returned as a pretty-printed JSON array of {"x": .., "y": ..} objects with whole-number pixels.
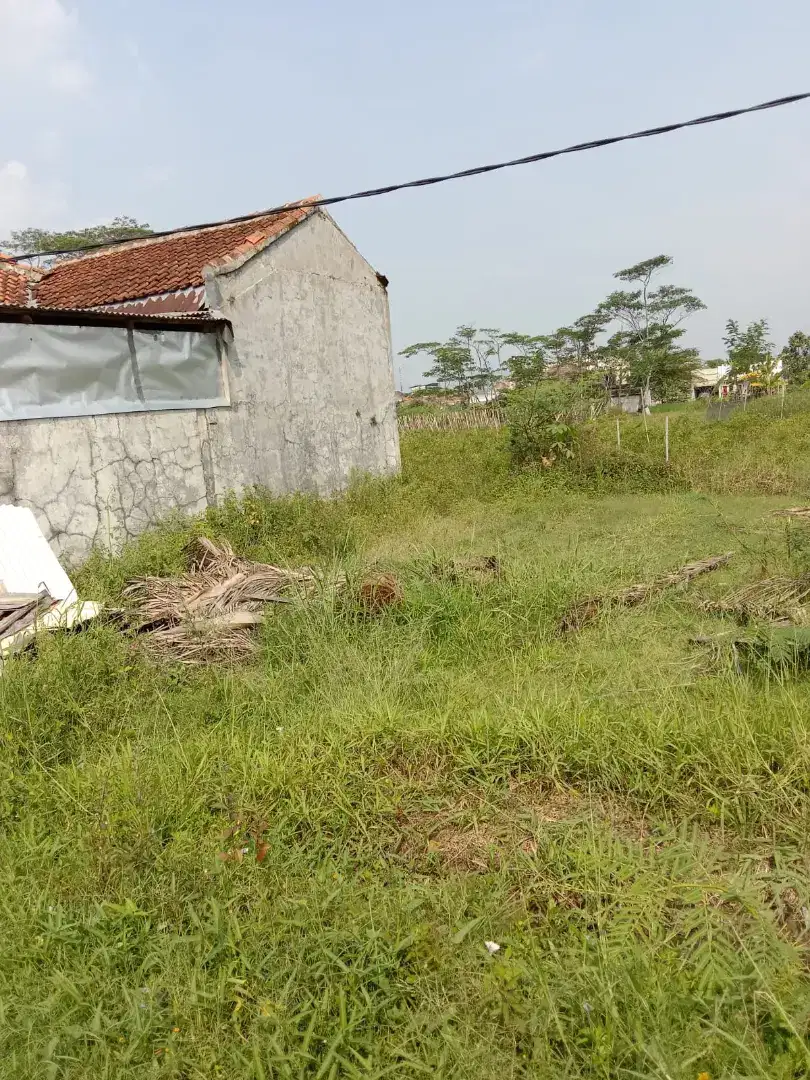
[{"x": 26, "y": 560}]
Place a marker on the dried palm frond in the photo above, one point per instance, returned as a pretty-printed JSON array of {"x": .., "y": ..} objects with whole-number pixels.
[
  {"x": 378, "y": 592},
  {"x": 587, "y": 610},
  {"x": 780, "y": 599},
  {"x": 202, "y": 643},
  {"x": 793, "y": 512},
  {"x": 211, "y": 611}
]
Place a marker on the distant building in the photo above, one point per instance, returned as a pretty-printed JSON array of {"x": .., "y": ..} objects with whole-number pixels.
[{"x": 710, "y": 381}]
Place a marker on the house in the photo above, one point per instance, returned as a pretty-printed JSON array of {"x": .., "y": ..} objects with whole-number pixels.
[
  {"x": 710, "y": 381},
  {"x": 162, "y": 373}
]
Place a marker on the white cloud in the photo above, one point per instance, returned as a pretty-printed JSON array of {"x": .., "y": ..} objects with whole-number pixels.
[
  {"x": 24, "y": 202},
  {"x": 41, "y": 41}
]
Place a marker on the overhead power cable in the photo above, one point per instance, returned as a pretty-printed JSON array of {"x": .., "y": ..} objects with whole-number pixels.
[{"x": 477, "y": 170}]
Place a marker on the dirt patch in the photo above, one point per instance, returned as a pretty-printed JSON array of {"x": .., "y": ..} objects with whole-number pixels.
[
  {"x": 429, "y": 768},
  {"x": 471, "y": 836},
  {"x": 547, "y": 805},
  {"x": 474, "y": 850}
]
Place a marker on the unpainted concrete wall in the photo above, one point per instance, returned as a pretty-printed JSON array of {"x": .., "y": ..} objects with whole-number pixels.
[
  {"x": 313, "y": 381},
  {"x": 312, "y": 401}
]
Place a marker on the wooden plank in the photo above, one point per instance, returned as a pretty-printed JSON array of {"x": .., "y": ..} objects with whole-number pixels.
[
  {"x": 9, "y": 601},
  {"x": 21, "y": 617}
]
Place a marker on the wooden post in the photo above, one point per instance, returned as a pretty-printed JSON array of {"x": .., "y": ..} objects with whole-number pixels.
[
  {"x": 666, "y": 437},
  {"x": 618, "y": 435},
  {"x": 782, "y": 409}
]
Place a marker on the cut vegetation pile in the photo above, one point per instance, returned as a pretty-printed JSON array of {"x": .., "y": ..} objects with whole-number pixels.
[
  {"x": 210, "y": 613},
  {"x": 417, "y": 831}
]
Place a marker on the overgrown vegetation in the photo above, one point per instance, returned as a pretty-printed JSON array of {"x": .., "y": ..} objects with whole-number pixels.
[{"x": 292, "y": 868}]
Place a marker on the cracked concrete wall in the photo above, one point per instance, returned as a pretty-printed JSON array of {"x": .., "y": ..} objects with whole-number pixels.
[
  {"x": 312, "y": 383},
  {"x": 100, "y": 480},
  {"x": 312, "y": 400}
]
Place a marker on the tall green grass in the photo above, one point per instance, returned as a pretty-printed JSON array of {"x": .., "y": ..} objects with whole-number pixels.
[{"x": 625, "y": 818}]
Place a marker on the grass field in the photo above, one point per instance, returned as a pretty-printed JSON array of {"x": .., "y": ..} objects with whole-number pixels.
[{"x": 625, "y": 818}]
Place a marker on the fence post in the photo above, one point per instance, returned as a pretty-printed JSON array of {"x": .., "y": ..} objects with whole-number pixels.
[
  {"x": 618, "y": 435},
  {"x": 666, "y": 437}
]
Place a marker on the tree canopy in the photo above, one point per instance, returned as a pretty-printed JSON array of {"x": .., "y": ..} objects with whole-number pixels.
[
  {"x": 43, "y": 241},
  {"x": 632, "y": 338},
  {"x": 795, "y": 359}
]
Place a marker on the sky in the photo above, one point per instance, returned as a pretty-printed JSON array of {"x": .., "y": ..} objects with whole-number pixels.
[{"x": 178, "y": 112}]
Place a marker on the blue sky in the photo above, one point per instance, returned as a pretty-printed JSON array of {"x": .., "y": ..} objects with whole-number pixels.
[{"x": 177, "y": 112}]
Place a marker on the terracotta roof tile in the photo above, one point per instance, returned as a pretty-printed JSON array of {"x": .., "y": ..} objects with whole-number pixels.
[
  {"x": 167, "y": 264},
  {"x": 15, "y": 282}
]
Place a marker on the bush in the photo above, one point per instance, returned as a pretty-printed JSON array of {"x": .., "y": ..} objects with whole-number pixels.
[{"x": 543, "y": 420}]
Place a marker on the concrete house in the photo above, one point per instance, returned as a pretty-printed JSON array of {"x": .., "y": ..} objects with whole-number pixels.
[{"x": 161, "y": 374}]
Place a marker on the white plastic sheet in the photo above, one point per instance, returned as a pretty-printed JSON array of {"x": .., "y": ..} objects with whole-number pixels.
[{"x": 52, "y": 371}]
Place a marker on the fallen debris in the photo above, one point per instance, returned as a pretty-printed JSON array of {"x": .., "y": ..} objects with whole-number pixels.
[
  {"x": 775, "y": 651},
  {"x": 479, "y": 568},
  {"x": 211, "y": 613},
  {"x": 379, "y": 592},
  {"x": 35, "y": 592},
  {"x": 588, "y": 610},
  {"x": 782, "y": 601},
  {"x": 793, "y": 512}
]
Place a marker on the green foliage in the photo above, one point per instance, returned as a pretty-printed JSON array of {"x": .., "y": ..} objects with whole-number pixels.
[
  {"x": 526, "y": 362},
  {"x": 795, "y": 359},
  {"x": 572, "y": 350},
  {"x": 28, "y": 241},
  {"x": 543, "y": 420},
  {"x": 749, "y": 349},
  {"x": 645, "y": 352},
  {"x": 468, "y": 362},
  {"x": 642, "y": 350}
]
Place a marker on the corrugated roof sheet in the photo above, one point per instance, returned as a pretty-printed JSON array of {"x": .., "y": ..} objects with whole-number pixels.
[{"x": 168, "y": 264}]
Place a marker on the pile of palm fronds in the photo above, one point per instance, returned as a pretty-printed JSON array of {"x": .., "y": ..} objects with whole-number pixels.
[
  {"x": 211, "y": 612},
  {"x": 774, "y": 650},
  {"x": 799, "y": 512},
  {"x": 783, "y": 601},
  {"x": 587, "y": 610}
]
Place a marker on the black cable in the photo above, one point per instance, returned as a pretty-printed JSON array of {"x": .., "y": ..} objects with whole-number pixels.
[{"x": 478, "y": 170}]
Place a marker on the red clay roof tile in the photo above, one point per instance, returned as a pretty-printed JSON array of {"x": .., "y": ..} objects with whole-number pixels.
[
  {"x": 147, "y": 267},
  {"x": 15, "y": 282}
]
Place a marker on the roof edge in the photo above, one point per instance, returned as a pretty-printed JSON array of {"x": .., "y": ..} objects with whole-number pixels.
[
  {"x": 203, "y": 321},
  {"x": 247, "y": 250}
]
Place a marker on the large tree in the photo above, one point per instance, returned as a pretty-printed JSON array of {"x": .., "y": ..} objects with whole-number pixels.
[
  {"x": 572, "y": 350},
  {"x": 795, "y": 359},
  {"x": 42, "y": 242},
  {"x": 748, "y": 348},
  {"x": 468, "y": 362},
  {"x": 650, "y": 318}
]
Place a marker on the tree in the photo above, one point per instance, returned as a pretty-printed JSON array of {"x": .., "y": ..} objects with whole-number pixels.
[
  {"x": 795, "y": 359},
  {"x": 526, "y": 363},
  {"x": 572, "y": 349},
  {"x": 468, "y": 362},
  {"x": 40, "y": 241},
  {"x": 650, "y": 320},
  {"x": 748, "y": 350}
]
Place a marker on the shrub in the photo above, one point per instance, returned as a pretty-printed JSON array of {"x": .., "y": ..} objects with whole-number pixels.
[{"x": 543, "y": 420}]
